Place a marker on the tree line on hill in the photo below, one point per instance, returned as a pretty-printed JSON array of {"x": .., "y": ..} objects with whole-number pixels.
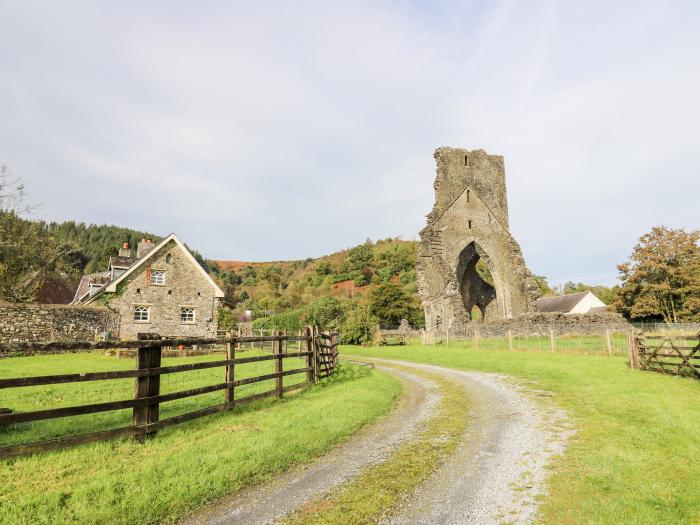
[{"x": 356, "y": 289}]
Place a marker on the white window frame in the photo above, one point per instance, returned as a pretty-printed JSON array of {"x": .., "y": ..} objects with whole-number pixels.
[
  {"x": 157, "y": 278},
  {"x": 139, "y": 309},
  {"x": 194, "y": 314}
]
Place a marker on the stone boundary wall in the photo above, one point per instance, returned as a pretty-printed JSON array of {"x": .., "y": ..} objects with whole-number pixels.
[
  {"x": 544, "y": 324},
  {"x": 22, "y": 322}
]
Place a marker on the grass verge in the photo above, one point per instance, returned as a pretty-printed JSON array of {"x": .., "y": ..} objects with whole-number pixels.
[
  {"x": 636, "y": 457},
  {"x": 373, "y": 494},
  {"x": 123, "y": 482}
]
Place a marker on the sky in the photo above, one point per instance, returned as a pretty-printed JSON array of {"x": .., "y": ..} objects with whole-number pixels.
[{"x": 286, "y": 130}]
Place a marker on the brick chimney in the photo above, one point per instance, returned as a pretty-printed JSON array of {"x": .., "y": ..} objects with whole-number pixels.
[
  {"x": 125, "y": 251},
  {"x": 144, "y": 246}
]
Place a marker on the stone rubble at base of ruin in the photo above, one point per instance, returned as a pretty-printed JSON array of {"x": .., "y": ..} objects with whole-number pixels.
[{"x": 468, "y": 224}]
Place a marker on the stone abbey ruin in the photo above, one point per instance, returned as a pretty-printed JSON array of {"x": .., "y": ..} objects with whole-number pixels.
[{"x": 469, "y": 265}]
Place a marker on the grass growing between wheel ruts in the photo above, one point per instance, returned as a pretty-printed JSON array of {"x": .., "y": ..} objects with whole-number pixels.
[
  {"x": 372, "y": 495},
  {"x": 191, "y": 464},
  {"x": 636, "y": 456}
]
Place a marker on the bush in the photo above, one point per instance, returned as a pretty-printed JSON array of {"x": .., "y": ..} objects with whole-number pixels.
[
  {"x": 390, "y": 303},
  {"x": 360, "y": 326},
  {"x": 226, "y": 319}
]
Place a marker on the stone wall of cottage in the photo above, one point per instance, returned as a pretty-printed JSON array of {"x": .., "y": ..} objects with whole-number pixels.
[
  {"x": 52, "y": 322},
  {"x": 185, "y": 287}
]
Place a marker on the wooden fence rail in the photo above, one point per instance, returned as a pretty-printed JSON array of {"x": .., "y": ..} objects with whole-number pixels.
[{"x": 320, "y": 357}]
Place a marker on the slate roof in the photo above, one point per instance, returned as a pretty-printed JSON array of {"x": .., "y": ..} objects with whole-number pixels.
[
  {"x": 119, "y": 261},
  {"x": 560, "y": 303},
  {"x": 100, "y": 278}
]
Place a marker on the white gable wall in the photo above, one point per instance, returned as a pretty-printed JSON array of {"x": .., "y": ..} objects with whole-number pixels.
[{"x": 586, "y": 303}]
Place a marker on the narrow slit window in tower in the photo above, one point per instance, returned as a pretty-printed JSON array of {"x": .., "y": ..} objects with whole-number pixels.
[
  {"x": 470, "y": 224},
  {"x": 468, "y": 191},
  {"x": 466, "y": 160}
]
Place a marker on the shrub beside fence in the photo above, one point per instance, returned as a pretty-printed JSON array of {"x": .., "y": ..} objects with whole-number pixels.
[{"x": 318, "y": 355}]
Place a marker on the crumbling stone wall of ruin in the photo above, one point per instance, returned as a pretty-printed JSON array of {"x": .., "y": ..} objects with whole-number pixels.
[{"x": 468, "y": 222}]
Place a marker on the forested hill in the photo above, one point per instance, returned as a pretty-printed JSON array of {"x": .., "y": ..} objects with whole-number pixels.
[{"x": 98, "y": 242}]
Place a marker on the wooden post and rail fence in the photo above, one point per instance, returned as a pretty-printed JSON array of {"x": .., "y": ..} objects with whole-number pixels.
[{"x": 319, "y": 351}]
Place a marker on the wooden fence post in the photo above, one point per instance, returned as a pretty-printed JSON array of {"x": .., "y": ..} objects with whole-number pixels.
[
  {"x": 552, "y": 342},
  {"x": 230, "y": 355},
  {"x": 238, "y": 344},
  {"x": 310, "y": 375},
  {"x": 510, "y": 340},
  {"x": 476, "y": 338},
  {"x": 147, "y": 386},
  {"x": 632, "y": 350},
  {"x": 608, "y": 341},
  {"x": 277, "y": 350}
]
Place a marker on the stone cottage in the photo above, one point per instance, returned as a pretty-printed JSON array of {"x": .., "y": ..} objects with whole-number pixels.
[{"x": 161, "y": 289}]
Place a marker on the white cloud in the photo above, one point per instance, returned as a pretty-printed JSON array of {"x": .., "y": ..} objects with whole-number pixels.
[{"x": 286, "y": 130}]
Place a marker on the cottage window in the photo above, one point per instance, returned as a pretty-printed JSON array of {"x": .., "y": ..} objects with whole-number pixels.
[
  {"x": 142, "y": 313},
  {"x": 158, "y": 277},
  {"x": 187, "y": 315},
  {"x": 168, "y": 259}
]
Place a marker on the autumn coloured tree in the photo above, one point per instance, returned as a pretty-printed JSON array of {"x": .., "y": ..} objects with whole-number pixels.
[{"x": 662, "y": 277}]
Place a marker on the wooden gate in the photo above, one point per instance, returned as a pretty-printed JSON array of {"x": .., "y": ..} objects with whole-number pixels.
[
  {"x": 670, "y": 355},
  {"x": 326, "y": 353}
]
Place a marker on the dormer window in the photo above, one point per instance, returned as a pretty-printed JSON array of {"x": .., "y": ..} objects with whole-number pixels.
[{"x": 157, "y": 277}]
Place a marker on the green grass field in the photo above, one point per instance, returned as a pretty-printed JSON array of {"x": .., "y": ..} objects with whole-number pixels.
[
  {"x": 636, "y": 457},
  {"x": 185, "y": 466}
]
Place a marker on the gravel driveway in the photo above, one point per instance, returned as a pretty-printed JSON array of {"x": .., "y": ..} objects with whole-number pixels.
[{"x": 494, "y": 476}]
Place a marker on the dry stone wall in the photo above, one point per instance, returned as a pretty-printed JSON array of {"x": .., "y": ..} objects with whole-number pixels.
[
  {"x": 50, "y": 322},
  {"x": 544, "y": 324}
]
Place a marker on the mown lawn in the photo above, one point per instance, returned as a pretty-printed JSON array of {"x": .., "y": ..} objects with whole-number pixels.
[
  {"x": 187, "y": 465},
  {"x": 636, "y": 457}
]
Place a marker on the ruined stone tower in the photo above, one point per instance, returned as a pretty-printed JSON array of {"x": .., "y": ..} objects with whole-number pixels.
[{"x": 469, "y": 265}]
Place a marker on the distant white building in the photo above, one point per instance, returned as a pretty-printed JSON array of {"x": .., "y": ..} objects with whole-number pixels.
[{"x": 573, "y": 303}]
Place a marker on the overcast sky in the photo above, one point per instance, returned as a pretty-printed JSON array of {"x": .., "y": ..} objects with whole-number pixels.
[{"x": 283, "y": 130}]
